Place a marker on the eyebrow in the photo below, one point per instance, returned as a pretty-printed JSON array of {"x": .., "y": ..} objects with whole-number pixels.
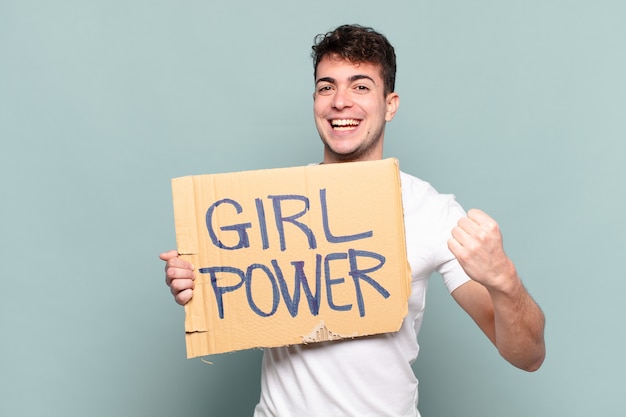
[{"x": 351, "y": 79}]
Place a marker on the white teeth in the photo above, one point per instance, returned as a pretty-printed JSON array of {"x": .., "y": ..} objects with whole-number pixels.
[{"x": 344, "y": 123}]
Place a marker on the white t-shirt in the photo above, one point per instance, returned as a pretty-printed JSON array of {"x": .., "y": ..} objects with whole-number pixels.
[{"x": 372, "y": 375}]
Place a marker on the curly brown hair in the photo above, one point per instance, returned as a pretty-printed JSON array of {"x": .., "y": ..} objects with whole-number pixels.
[{"x": 358, "y": 44}]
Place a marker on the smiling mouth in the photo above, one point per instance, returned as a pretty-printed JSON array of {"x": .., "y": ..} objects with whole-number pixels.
[{"x": 344, "y": 124}]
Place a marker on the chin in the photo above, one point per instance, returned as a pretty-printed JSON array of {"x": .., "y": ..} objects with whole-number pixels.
[{"x": 344, "y": 155}]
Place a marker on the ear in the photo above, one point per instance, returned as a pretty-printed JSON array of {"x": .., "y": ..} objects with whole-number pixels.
[{"x": 393, "y": 102}]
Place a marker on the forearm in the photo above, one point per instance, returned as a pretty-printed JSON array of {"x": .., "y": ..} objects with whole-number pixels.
[
  {"x": 519, "y": 325},
  {"x": 497, "y": 300}
]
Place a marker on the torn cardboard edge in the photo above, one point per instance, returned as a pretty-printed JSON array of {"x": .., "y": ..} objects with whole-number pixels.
[{"x": 321, "y": 333}]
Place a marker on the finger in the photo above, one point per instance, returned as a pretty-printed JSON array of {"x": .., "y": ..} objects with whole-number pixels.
[
  {"x": 166, "y": 256},
  {"x": 178, "y": 263},
  {"x": 455, "y": 247},
  {"x": 461, "y": 235},
  {"x": 179, "y": 285},
  {"x": 174, "y": 274},
  {"x": 481, "y": 218},
  {"x": 183, "y": 297},
  {"x": 477, "y": 214},
  {"x": 468, "y": 225},
  {"x": 461, "y": 245},
  {"x": 489, "y": 230}
]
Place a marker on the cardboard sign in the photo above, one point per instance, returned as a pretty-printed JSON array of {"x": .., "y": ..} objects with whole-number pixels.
[{"x": 292, "y": 255}]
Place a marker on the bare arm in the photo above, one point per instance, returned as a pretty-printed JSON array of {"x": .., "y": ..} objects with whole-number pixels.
[{"x": 496, "y": 298}]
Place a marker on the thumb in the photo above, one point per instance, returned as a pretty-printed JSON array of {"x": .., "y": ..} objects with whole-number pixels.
[{"x": 166, "y": 256}]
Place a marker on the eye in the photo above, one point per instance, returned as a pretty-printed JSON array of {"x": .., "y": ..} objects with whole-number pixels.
[
  {"x": 361, "y": 88},
  {"x": 325, "y": 89}
]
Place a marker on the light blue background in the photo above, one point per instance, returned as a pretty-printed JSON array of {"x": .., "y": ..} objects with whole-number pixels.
[{"x": 517, "y": 107}]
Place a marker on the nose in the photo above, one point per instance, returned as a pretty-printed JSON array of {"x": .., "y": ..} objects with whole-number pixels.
[{"x": 341, "y": 99}]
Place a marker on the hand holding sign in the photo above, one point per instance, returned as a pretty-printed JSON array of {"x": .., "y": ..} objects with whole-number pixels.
[{"x": 179, "y": 276}]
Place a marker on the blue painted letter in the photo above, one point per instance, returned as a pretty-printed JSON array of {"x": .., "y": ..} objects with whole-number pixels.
[
  {"x": 220, "y": 291},
  {"x": 275, "y": 295},
  {"x": 300, "y": 279},
  {"x": 278, "y": 215},
  {"x": 330, "y": 281},
  {"x": 361, "y": 274},
  {"x": 329, "y": 236},
  {"x": 239, "y": 228}
]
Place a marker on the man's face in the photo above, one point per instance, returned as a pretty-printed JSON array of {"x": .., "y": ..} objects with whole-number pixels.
[{"x": 351, "y": 109}]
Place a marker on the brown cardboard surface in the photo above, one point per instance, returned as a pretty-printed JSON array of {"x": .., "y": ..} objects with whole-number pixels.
[{"x": 292, "y": 255}]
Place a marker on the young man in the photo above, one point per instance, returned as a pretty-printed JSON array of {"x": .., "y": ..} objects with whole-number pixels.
[{"x": 372, "y": 376}]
